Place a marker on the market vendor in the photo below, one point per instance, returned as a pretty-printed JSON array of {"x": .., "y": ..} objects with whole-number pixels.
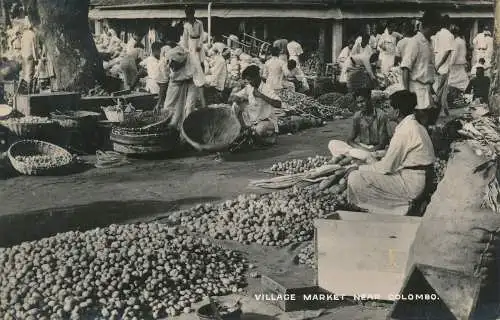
[
  {"x": 275, "y": 70},
  {"x": 295, "y": 78},
  {"x": 369, "y": 131},
  {"x": 390, "y": 185},
  {"x": 129, "y": 67},
  {"x": 152, "y": 66},
  {"x": 256, "y": 103},
  {"x": 182, "y": 93},
  {"x": 282, "y": 44}
]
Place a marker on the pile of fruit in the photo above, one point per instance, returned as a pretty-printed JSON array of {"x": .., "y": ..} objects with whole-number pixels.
[
  {"x": 342, "y": 101},
  {"x": 273, "y": 219},
  {"x": 44, "y": 161},
  {"x": 293, "y": 124},
  {"x": 145, "y": 271},
  {"x": 313, "y": 65},
  {"x": 306, "y": 256},
  {"x": 302, "y": 104},
  {"x": 299, "y": 165}
]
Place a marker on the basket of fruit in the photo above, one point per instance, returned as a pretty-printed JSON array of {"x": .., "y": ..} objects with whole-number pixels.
[
  {"x": 211, "y": 129},
  {"x": 34, "y": 157},
  {"x": 30, "y": 126},
  {"x": 220, "y": 311}
]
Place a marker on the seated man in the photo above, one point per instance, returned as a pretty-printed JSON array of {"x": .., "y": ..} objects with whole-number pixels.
[
  {"x": 479, "y": 86},
  {"x": 256, "y": 103},
  {"x": 369, "y": 130},
  {"x": 390, "y": 185},
  {"x": 295, "y": 78}
]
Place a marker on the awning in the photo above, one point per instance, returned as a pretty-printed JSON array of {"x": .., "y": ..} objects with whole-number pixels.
[
  {"x": 98, "y": 14},
  {"x": 328, "y": 14}
]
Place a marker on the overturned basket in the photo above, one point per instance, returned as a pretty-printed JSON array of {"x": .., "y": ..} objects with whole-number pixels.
[
  {"x": 27, "y": 148},
  {"x": 211, "y": 129}
]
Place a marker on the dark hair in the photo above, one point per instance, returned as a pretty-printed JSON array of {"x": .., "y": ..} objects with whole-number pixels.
[
  {"x": 445, "y": 21},
  {"x": 292, "y": 64},
  {"x": 251, "y": 71},
  {"x": 275, "y": 51},
  {"x": 364, "y": 93},
  {"x": 374, "y": 57},
  {"x": 430, "y": 18},
  {"x": 156, "y": 46},
  {"x": 404, "y": 101},
  {"x": 481, "y": 60},
  {"x": 189, "y": 10}
]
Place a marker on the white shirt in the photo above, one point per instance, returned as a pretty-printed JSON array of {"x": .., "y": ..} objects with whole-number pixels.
[
  {"x": 219, "y": 72},
  {"x": 419, "y": 59},
  {"x": 343, "y": 56},
  {"x": 387, "y": 44},
  {"x": 444, "y": 42},
  {"x": 459, "y": 55},
  {"x": 152, "y": 66},
  {"x": 479, "y": 42},
  {"x": 294, "y": 49},
  {"x": 28, "y": 44},
  {"x": 258, "y": 110},
  {"x": 274, "y": 72},
  {"x": 130, "y": 45},
  {"x": 401, "y": 46},
  {"x": 410, "y": 146}
]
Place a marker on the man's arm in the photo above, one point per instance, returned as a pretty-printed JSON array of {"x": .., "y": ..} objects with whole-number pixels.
[
  {"x": 407, "y": 62},
  {"x": 354, "y": 131},
  {"x": 382, "y": 133},
  {"x": 443, "y": 60},
  {"x": 273, "y": 102}
]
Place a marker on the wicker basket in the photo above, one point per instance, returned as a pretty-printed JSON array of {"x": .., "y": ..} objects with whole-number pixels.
[
  {"x": 36, "y": 147},
  {"x": 139, "y": 150},
  {"x": 205, "y": 313},
  {"x": 211, "y": 129},
  {"x": 167, "y": 139}
]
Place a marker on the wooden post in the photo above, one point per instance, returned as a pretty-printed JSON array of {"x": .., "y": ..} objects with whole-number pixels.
[
  {"x": 494, "y": 104},
  {"x": 322, "y": 41},
  {"x": 210, "y": 22},
  {"x": 337, "y": 33},
  {"x": 266, "y": 32}
]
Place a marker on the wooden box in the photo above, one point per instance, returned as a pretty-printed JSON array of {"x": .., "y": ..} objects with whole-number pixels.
[
  {"x": 289, "y": 284},
  {"x": 44, "y": 103},
  {"x": 363, "y": 255}
]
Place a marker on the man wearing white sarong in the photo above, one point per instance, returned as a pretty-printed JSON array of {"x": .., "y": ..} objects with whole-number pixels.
[
  {"x": 387, "y": 48},
  {"x": 390, "y": 185},
  {"x": 275, "y": 70},
  {"x": 458, "y": 74},
  {"x": 418, "y": 65},
  {"x": 182, "y": 92},
  {"x": 343, "y": 62},
  {"x": 444, "y": 46},
  {"x": 480, "y": 44}
]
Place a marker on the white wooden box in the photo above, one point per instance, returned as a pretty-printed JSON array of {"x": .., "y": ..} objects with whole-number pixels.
[{"x": 363, "y": 254}]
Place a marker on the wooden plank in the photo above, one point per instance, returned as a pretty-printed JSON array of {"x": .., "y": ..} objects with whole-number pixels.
[{"x": 364, "y": 256}]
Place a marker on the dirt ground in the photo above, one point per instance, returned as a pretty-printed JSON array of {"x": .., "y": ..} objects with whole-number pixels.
[{"x": 35, "y": 207}]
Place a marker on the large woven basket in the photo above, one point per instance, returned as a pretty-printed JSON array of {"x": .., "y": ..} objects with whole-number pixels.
[
  {"x": 211, "y": 129},
  {"x": 36, "y": 147},
  {"x": 168, "y": 139}
]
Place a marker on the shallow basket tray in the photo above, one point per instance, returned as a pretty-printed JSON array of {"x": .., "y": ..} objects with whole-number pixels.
[
  {"x": 36, "y": 147},
  {"x": 205, "y": 313},
  {"x": 222, "y": 118}
]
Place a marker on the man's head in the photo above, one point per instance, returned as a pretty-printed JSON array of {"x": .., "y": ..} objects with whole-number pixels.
[
  {"x": 364, "y": 99},
  {"x": 275, "y": 51},
  {"x": 351, "y": 42},
  {"x": 445, "y": 21},
  {"x": 455, "y": 30},
  {"x": 190, "y": 12},
  {"x": 252, "y": 75},
  {"x": 226, "y": 53},
  {"x": 156, "y": 49},
  {"x": 406, "y": 29},
  {"x": 430, "y": 23},
  {"x": 404, "y": 102},
  {"x": 390, "y": 27},
  {"x": 482, "y": 61},
  {"x": 292, "y": 64},
  {"x": 365, "y": 39},
  {"x": 479, "y": 72}
]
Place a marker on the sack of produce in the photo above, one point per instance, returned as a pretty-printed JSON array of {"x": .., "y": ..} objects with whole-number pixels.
[
  {"x": 211, "y": 129},
  {"x": 458, "y": 239}
]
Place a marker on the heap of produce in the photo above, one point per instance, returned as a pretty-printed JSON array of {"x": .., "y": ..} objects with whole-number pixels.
[
  {"x": 274, "y": 219},
  {"x": 342, "y": 101},
  {"x": 301, "y": 104},
  {"x": 28, "y": 120},
  {"x": 45, "y": 161},
  {"x": 144, "y": 122},
  {"x": 313, "y": 65},
  {"x": 293, "y": 124},
  {"x": 145, "y": 271},
  {"x": 299, "y": 165},
  {"x": 306, "y": 256},
  {"x": 96, "y": 91}
]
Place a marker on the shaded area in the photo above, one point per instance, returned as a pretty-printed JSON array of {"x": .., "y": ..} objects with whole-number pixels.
[{"x": 34, "y": 225}]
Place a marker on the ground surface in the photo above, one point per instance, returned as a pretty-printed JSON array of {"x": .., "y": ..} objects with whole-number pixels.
[{"x": 34, "y": 207}]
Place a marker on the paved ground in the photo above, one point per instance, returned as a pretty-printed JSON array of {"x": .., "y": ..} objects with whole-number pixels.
[{"x": 34, "y": 207}]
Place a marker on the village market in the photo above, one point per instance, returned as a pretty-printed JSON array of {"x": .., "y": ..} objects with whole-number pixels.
[{"x": 407, "y": 138}]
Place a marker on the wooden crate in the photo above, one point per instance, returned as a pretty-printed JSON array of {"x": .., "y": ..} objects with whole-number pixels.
[
  {"x": 44, "y": 103},
  {"x": 363, "y": 254}
]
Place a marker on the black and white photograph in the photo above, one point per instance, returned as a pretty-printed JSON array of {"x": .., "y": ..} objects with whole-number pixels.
[{"x": 249, "y": 160}]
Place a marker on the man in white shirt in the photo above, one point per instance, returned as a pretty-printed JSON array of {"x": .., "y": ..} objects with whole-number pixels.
[
  {"x": 132, "y": 42},
  {"x": 29, "y": 55},
  {"x": 275, "y": 70},
  {"x": 387, "y": 48},
  {"x": 295, "y": 51},
  {"x": 403, "y": 43},
  {"x": 458, "y": 73},
  {"x": 256, "y": 106},
  {"x": 152, "y": 65},
  {"x": 480, "y": 44},
  {"x": 418, "y": 64},
  {"x": 445, "y": 44}
]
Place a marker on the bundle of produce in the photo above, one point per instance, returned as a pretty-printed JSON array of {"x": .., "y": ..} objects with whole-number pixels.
[
  {"x": 32, "y": 157},
  {"x": 29, "y": 126},
  {"x": 312, "y": 66},
  {"x": 144, "y": 122},
  {"x": 306, "y": 256},
  {"x": 287, "y": 181},
  {"x": 144, "y": 271},
  {"x": 299, "y": 165},
  {"x": 212, "y": 129},
  {"x": 293, "y": 124},
  {"x": 96, "y": 91},
  {"x": 274, "y": 219},
  {"x": 302, "y": 104}
]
